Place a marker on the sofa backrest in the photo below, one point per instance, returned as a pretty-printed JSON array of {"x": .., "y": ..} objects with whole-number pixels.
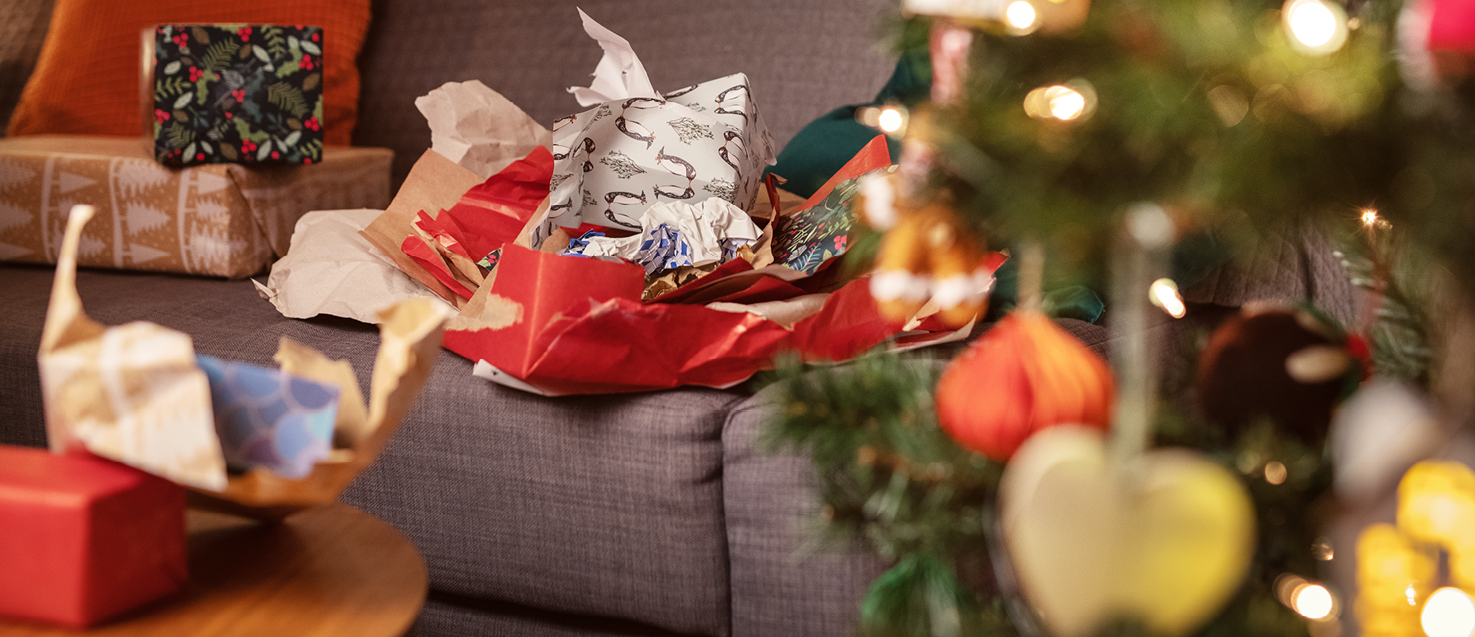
[{"x": 803, "y": 57}]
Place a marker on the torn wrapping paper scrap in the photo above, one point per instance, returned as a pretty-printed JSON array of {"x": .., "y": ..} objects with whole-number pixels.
[
  {"x": 130, "y": 393},
  {"x": 478, "y": 128},
  {"x": 636, "y": 148},
  {"x": 556, "y": 326},
  {"x": 434, "y": 183},
  {"x": 447, "y": 248},
  {"x": 269, "y": 418},
  {"x": 619, "y": 75},
  {"x": 410, "y": 339},
  {"x": 677, "y": 234},
  {"x": 756, "y": 282},
  {"x": 136, "y": 394},
  {"x": 806, "y": 240},
  {"x": 332, "y": 269}
]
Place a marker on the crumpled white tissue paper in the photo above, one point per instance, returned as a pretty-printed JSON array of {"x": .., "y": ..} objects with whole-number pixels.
[{"x": 331, "y": 269}]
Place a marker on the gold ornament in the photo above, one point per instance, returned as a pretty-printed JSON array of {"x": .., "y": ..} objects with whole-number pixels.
[{"x": 1166, "y": 538}]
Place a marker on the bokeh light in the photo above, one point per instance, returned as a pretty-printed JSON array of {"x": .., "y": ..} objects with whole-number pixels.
[
  {"x": 891, "y": 120},
  {"x": 1449, "y": 613},
  {"x": 1021, "y": 15},
  {"x": 1067, "y": 102},
  {"x": 1315, "y": 26},
  {"x": 1164, "y": 294},
  {"x": 1312, "y": 601}
]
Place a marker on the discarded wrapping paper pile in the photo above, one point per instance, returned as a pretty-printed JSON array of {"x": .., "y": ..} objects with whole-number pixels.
[
  {"x": 219, "y": 219},
  {"x": 626, "y": 258},
  {"x": 294, "y": 437}
]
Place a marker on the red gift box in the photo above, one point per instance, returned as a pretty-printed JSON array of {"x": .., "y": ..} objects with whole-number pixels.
[{"x": 83, "y": 539}]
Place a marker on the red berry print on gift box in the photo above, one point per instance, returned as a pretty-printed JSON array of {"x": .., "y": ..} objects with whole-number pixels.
[{"x": 238, "y": 93}]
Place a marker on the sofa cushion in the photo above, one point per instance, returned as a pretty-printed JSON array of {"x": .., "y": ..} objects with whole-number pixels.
[
  {"x": 604, "y": 506},
  {"x": 86, "y": 79}
]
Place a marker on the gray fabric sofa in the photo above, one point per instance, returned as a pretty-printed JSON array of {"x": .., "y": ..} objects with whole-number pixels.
[{"x": 646, "y": 514}]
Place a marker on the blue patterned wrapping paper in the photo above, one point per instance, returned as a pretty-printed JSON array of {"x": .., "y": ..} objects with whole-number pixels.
[{"x": 267, "y": 418}]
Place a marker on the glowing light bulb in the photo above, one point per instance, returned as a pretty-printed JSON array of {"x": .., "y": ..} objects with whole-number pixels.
[
  {"x": 891, "y": 120},
  {"x": 1369, "y": 217},
  {"x": 1020, "y": 15},
  {"x": 1067, "y": 104},
  {"x": 1449, "y": 613},
  {"x": 1164, "y": 294},
  {"x": 1312, "y": 601},
  {"x": 1275, "y": 472},
  {"x": 1071, "y": 101},
  {"x": 1316, "y": 26}
]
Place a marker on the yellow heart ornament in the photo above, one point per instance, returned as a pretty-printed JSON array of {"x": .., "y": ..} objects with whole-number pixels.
[{"x": 1166, "y": 539}]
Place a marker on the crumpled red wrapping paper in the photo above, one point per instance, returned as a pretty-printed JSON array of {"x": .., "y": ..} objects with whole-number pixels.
[
  {"x": 570, "y": 325},
  {"x": 581, "y": 329}
]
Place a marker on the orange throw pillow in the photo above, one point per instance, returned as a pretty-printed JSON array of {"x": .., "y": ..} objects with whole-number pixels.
[{"x": 86, "y": 81}]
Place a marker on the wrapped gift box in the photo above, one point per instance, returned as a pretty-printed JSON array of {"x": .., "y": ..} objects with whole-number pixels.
[
  {"x": 234, "y": 93},
  {"x": 215, "y": 219},
  {"x": 84, "y": 539}
]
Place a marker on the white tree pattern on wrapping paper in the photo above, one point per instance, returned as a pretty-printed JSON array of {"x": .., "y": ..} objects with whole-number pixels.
[
  {"x": 136, "y": 175},
  {"x": 213, "y": 250},
  {"x": 13, "y": 174},
  {"x": 12, "y": 216},
  {"x": 143, "y": 218}
]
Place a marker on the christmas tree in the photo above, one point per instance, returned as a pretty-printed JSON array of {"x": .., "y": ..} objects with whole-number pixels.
[{"x": 1103, "y": 144}]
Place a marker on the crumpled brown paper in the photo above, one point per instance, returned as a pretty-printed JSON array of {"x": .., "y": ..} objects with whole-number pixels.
[
  {"x": 410, "y": 334},
  {"x": 134, "y": 393},
  {"x": 130, "y": 393}
]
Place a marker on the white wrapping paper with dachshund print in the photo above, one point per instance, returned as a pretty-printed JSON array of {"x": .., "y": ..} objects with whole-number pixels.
[{"x": 636, "y": 148}]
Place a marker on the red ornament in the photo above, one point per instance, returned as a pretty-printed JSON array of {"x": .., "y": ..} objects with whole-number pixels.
[{"x": 1023, "y": 376}]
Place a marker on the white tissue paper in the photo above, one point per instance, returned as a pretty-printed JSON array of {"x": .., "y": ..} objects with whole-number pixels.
[
  {"x": 636, "y": 149},
  {"x": 676, "y": 234},
  {"x": 476, "y": 127},
  {"x": 331, "y": 269}
]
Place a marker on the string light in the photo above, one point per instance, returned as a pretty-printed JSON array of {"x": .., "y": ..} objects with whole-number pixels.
[
  {"x": 1369, "y": 217},
  {"x": 1275, "y": 472},
  {"x": 1449, "y": 613},
  {"x": 890, "y": 118},
  {"x": 1316, "y": 27},
  {"x": 1312, "y": 601},
  {"x": 1164, "y": 294},
  {"x": 1021, "y": 17},
  {"x": 1064, "y": 102}
]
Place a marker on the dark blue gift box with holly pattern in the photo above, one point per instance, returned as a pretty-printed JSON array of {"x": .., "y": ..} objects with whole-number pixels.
[{"x": 235, "y": 93}]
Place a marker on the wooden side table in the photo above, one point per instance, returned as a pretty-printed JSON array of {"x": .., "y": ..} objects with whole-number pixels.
[{"x": 331, "y": 570}]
